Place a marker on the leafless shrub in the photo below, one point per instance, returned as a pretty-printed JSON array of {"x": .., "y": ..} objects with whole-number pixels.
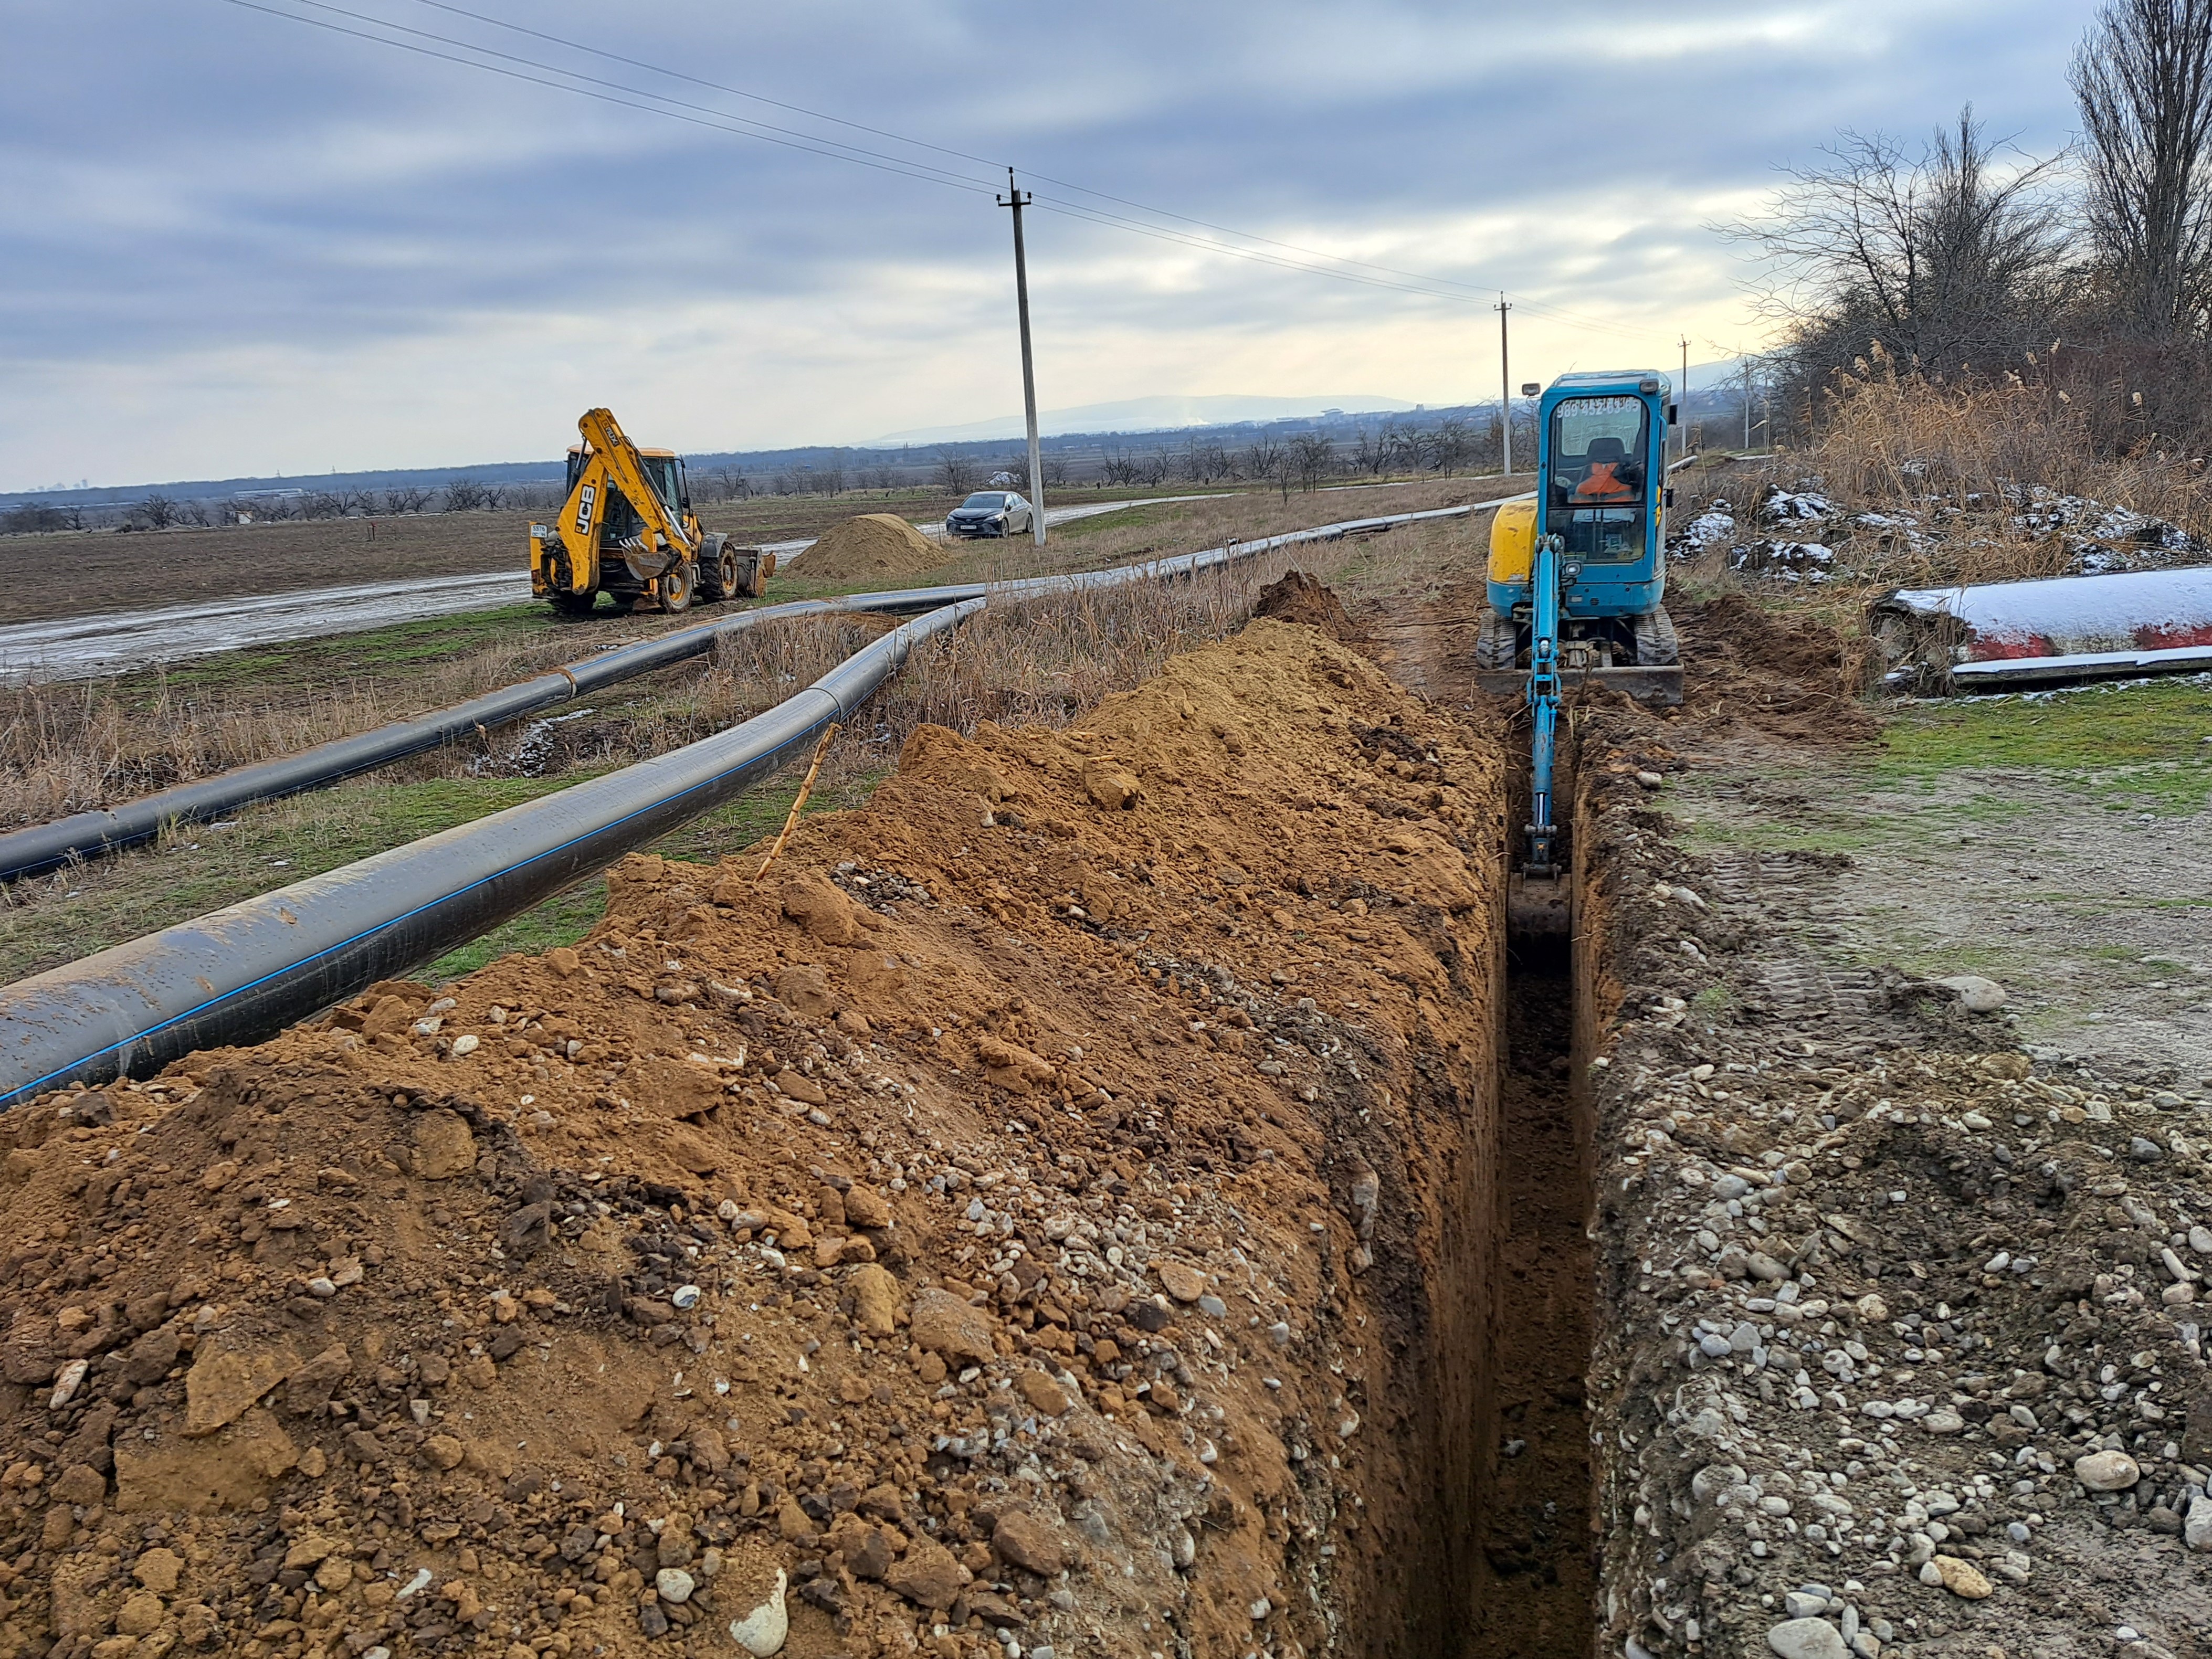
[
  {"x": 32, "y": 518},
  {"x": 956, "y": 473}
]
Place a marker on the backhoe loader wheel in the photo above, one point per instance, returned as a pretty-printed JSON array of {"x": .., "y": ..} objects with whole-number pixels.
[
  {"x": 718, "y": 576},
  {"x": 676, "y": 587},
  {"x": 1656, "y": 644},
  {"x": 1498, "y": 643}
]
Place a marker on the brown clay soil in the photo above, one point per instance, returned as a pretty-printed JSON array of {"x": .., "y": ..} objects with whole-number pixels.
[
  {"x": 1053, "y": 1202},
  {"x": 872, "y": 544}
]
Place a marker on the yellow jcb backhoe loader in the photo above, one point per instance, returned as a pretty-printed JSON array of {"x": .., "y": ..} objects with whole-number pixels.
[{"x": 627, "y": 529}]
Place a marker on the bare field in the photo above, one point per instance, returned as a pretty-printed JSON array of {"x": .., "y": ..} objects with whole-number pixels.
[{"x": 127, "y": 570}]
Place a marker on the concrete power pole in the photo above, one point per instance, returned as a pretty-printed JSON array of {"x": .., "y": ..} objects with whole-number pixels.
[
  {"x": 1017, "y": 200},
  {"x": 1505, "y": 387},
  {"x": 1682, "y": 401},
  {"x": 1746, "y": 403}
]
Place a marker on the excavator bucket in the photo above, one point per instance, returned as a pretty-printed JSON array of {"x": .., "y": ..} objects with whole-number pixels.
[{"x": 1539, "y": 906}]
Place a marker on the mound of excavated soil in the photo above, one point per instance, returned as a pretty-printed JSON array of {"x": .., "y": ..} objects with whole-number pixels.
[
  {"x": 1299, "y": 598},
  {"x": 873, "y": 544},
  {"x": 1001, "y": 1219}
]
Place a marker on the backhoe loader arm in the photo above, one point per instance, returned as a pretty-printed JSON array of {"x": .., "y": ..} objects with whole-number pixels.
[{"x": 615, "y": 457}]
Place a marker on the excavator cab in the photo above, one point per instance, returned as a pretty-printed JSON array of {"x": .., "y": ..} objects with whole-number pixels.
[{"x": 1601, "y": 500}]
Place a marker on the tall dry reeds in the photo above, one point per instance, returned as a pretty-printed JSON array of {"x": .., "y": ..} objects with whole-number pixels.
[{"x": 1894, "y": 438}]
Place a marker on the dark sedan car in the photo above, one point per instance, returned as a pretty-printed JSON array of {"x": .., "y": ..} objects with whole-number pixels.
[{"x": 990, "y": 512}]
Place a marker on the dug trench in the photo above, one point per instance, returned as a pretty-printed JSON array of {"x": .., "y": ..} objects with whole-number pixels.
[
  {"x": 1111, "y": 1195},
  {"x": 1054, "y": 1209}
]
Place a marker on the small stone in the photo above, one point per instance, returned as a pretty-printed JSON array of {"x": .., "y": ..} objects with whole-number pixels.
[
  {"x": 1960, "y": 1577},
  {"x": 2143, "y": 1151},
  {"x": 2106, "y": 1471},
  {"x": 761, "y": 1632},
  {"x": 875, "y": 1299},
  {"x": 944, "y": 1324},
  {"x": 1808, "y": 1638},
  {"x": 463, "y": 1045},
  {"x": 1976, "y": 995},
  {"x": 1762, "y": 1265},
  {"x": 1799, "y": 1605},
  {"x": 1726, "y": 1187},
  {"x": 927, "y": 1576},
  {"x": 158, "y": 1571},
  {"x": 443, "y": 1451},
  {"x": 1044, "y": 1396},
  {"x": 1943, "y": 1422},
  {"x": 1029, "y": 1542},
  {"x": 652, "y": 1621},
  {"x": 1180, "y": 1281},
  {"x": 561, "y": 960},
  {"x": 674, "y": 1584},
  {"x": 2200, "y": 1240},
  {"x": 1872, "y": 1310},
  {"x": 2197, "y": 1525},
  {"x": 141, "y": 1615}
]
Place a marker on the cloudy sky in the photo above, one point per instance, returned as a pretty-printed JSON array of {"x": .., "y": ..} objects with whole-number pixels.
[{"x": 240, "y": 243}]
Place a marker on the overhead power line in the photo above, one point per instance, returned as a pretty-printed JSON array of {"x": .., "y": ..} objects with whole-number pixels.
[
  {"x": 532, "y": 71},
  {"x": 1428, "y": 279}
]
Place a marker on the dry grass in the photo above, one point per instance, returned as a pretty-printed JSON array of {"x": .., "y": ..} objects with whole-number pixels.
[
  {"x": 70, "y": 746},
  {"x": 74, "y": 746}
]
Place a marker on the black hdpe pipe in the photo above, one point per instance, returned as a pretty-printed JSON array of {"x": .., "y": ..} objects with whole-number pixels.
[
  {"x": 243, "y": 973},
  {"x": 47, "y": 847},
  {"x": 93, "y": 835}
]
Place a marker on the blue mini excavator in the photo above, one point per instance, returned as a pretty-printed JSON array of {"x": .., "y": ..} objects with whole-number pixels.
[{"x": 1577, "y": 580}]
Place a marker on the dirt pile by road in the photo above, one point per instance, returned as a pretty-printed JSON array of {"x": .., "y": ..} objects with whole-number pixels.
[
  {"x": 871, "y": 544},
  {"x": 997, "y": 1226}
]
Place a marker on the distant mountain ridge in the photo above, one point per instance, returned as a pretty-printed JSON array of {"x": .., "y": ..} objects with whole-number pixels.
[{"x": 1148, "y": 415}]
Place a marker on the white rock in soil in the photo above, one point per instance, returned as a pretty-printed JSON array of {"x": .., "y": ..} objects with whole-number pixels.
[
  {"x": 2200, "y": 1240},
  {"x": 2106, "y": 1471},
  {"x": 1808, "y": 1638},
  {"x": 760, "y": 1632},
  {"x": 674, "y": 1584},
  {"x": 1800, "y": 1605},
  {"x": 2196, "y": 1528},
  {"x": 1976, "y": 995}
]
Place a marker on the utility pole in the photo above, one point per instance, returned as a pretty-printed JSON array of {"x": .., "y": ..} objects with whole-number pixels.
[
  {"x": 1746, "y": 403},
  {"x": 1682, "y": 401},
  {"x": 1506, "y": 386},
  {"x": 1017, "y": 200}
]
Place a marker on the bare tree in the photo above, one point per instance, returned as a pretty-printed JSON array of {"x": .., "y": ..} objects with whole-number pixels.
[
  {"x": 1055, "y": 470},
  {"x": 1263, "y": 458},
  {"x": 1312, "y": 457},
  {"x": 157, "y": 512},
  {"x": 1121, "y": 467},
  {"x": 1939, "y": 254},
  {"x": 406, "y": 498},
  {"x": 2142, "y": 80},
  {"x": 465, "y": 494},
  {"x": 956, "y": 471}
]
